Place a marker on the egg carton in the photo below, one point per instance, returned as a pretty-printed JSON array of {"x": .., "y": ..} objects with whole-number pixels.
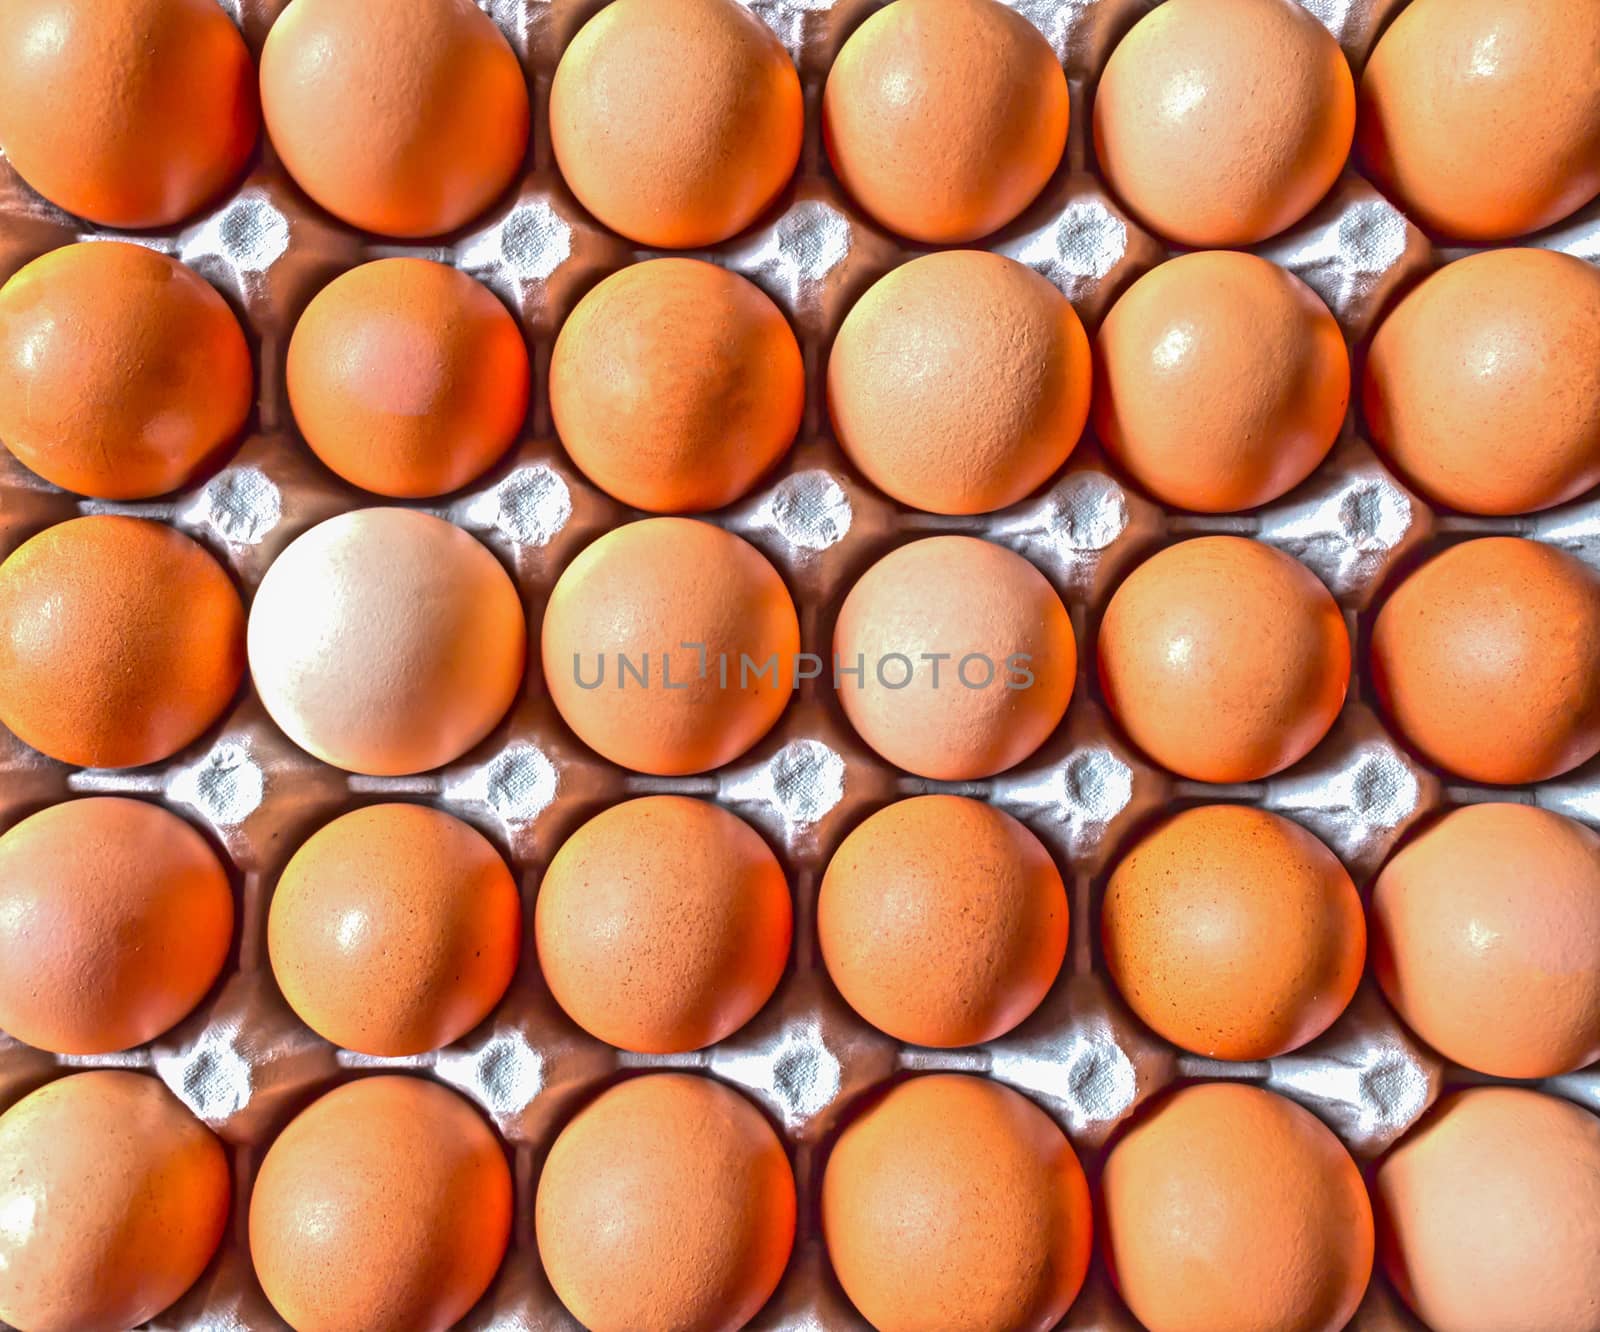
[{"x": 245, "y": 1064}]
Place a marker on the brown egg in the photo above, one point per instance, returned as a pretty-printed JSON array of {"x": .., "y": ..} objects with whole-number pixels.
[
  {"x": 954, "y": 658},
  {"x": 1489, "y": 1213},
  {"x": 676, "y": 122},
  {"x": 407, "y": 120},
  {"x": 1227, "y": 1206},
  {"x": 122, "y": 373},
  {"x": 120, "y": 641},
  {"x": 1234, "y": 932},
  {"x": 386, "y": 641},
  {"x": 1486, "y": 939},
  {"x": 669, "y": 646},
  {"x": 1221, "y": 122},
  {"x": 408, "y": 378},
  {"x": 1493, "y": 348},
  {"x": 115, "y": 890},
  {"x": 960, "y": 382},
  {"x": 1225, "y": 660},
  {"x": 675, "y": 385},
  {"x": 1222, "y": 381},
  {"x": 394, "y": 930},
  {"x": 942, "y": 920},
  {"x": 945, "y": 118},
  {"x": 383, "y": 1207},
  {"x": 666, "y": 1203},
  {"x": 114, "y": 1198},
  {"x": 1482, "y": 117},
  {"x": 1488, "y": 660},
  {"x": 955, "y": 1203},
  {"x": 663, "y": 924},
  {"x": 133, "y": 114}
]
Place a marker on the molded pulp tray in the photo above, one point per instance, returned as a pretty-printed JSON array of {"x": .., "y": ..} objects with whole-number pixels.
[{"x": 245, "y": 1064}]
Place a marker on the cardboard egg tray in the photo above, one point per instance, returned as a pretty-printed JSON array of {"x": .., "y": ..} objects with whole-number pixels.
[{"x": 245, "y": 1064}]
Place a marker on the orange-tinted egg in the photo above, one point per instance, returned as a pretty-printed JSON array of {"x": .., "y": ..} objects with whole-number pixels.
[
  {"x": 1222, "y": 381},
  {"x": 954, "y": 1202},
  {"x": 1224, "y": 660},
  {"x": 114, "y": 1198},
  {"x": 394, "y": 930},
  {"x": 676, "y": 122},
  {"x": 1490, "y": 349},
  {"x": 407, "y": 120},
  {"x": 132, "y": 114},
  {"x": 122, "y": 373},
  {"x": 1221, "y": 122},
  {"x": 386, "y": 641},
  {"x": 1489, "y": 1214},
  {"x": 955, "y": 658},
  {"x": 1488, "y": 660},
  {"x": 1234, "y": 932},
  {"x": 663, "y": 924},
  {"x": 669, "y": 646},
  {"x": 385, "y": 1206},
  {"x": 945, "y": 118},
  {"x": 407, "y": 378},
  {"x": 1482, "y": 117},
  {"x": 942, "y": 920},
  {"x": 1227, "y": 1206},
  {"x": 1486, "y": 939},
  {"x": 666, "y": 1202},
  {"x": 960, "y": 382},
  {"x": 115, "y": 918},
  {"x": 120, "y": 641},
  {"x": 675, "y": 385}
]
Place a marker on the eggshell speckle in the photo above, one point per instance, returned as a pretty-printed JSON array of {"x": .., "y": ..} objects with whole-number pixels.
[
  {"x": 1488, "y": 660},
  {"x": 667, "y": 1202},
  {"x": 386, "y": 641},
  {"x": 1234, "y": 932},
  {"x": 1482, "y": 117},
  {"x": 131, "y": 114},
  {"x": 676, "y": 122},
  {"x": 1222, "y": 381},
  {"x": 114, "y": 1198},
  {"x": 663, "y": 924},
  {"x": 675, "y": 385},
  {"x": 115, "y": 918},
  {"x": 120, "y": 641},
  {"x": 945, "y": 118},
  {"x": 407, "y": 378},
  {"x": 342, "y": 85},
  {"x": 1489, "y": 1214},
  {"x": 683, "y": 593},
  {"x": 1224, "y": 660},
  {"x": 966, "y": 654},
  {"x": 942, "y": 920},
  {"x": 383, "y": 1207},
  {"x": 1229, "y": 1207},
  {"x": 1486, "y": 939},
  {"x": 122, "y": 373},
  {"x": 955, "y": 1203},
  {"x": 394, "y": 930},
  {"x": 1495, "y": 347},
  {"x": 960, "y": 382},
  {"x": 1221, "y": 122}
]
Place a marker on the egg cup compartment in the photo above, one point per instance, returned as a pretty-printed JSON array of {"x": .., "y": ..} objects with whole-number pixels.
[{"x": 244, "y": 1063}]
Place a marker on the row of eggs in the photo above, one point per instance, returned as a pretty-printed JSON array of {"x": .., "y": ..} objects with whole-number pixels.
[
  {"x": 959, "y": 383},
  {"x": 396, "y": 929},
  {"x": 1217, "y": 122},
  {"x": 668, "y": 1201},
  {"x": 387, "y": 641}
]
